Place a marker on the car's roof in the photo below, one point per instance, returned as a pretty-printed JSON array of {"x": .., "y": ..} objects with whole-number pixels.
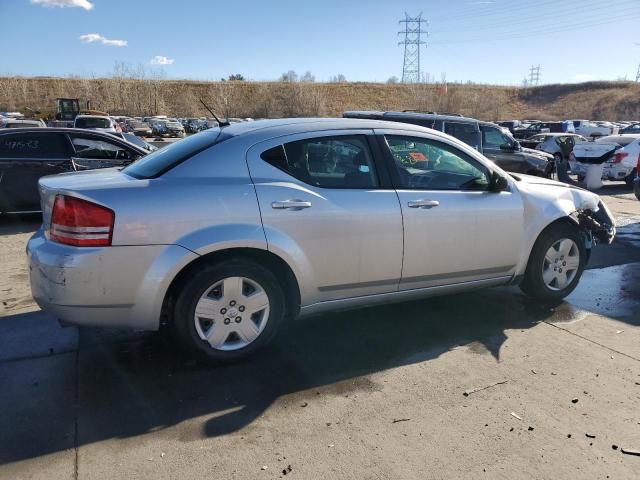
[
  {"x": 92, "y": 116},
  {"x": 285, "y": 126},
  {"x": 408, "y": 115}
]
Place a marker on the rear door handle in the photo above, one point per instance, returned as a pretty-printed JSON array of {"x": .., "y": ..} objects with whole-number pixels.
[
  {"x": 290, "y": 205},
  {"x": 423, "y": 204}
]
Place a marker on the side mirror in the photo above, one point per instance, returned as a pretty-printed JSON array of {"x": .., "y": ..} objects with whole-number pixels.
[{"x": 498, "y": 183}]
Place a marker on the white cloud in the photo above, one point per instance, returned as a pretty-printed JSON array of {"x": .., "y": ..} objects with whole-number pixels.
[
  {"x": 583, "y": 77},
  {"x": 160, "y": 60},
  {"x": 86, "y": 4},
  {"x": 96, "y": 37}
]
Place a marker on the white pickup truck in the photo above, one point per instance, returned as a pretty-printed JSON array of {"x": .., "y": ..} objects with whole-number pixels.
[{"x": 590, "y": 129}]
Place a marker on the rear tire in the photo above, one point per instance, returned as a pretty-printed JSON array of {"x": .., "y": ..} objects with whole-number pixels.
[
  {"x": 241, "y": 305},
  {"x": 556, "y": 263},
  {"x": 630, "y": 178}
]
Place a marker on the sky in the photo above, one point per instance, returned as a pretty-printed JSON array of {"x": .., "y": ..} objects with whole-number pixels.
[{"x": 483, "y": 41}]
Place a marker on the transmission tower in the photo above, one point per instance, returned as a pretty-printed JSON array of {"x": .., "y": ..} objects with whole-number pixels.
[
  {"x": 638, "y": 74},
  {"x": 413, "y": 32},
  {"x": 534, "y": 75}
]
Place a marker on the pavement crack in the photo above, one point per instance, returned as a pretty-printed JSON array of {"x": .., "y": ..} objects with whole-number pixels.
[{"x": 592, "y": 341}]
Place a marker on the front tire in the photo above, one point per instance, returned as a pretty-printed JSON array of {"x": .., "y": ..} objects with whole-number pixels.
[
  {"x": 556, "y": 264},
  {"x": 228, "y": 310}
]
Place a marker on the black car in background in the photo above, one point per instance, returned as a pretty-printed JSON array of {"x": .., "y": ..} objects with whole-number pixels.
[
  {"x": 500, "y": 146},
  {"x": 511, "y": 125},
  {"x": 530, "y": 130},
  {"x": 27, "y": 154},
  {"x": 495, "y": 142}
]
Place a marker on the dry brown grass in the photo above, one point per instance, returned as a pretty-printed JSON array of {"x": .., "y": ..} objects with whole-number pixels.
[{"x": 122, "y": 95}]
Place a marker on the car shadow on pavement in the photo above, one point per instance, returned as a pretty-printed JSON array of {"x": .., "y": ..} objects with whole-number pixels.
[
  {"x": 131, "y": 387},
  {"x": 121, "y": 385},
  {"x": 25, "y": 223}
]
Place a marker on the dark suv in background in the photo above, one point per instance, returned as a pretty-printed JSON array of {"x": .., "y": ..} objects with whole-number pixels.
[{"x": 495, "y": 142}]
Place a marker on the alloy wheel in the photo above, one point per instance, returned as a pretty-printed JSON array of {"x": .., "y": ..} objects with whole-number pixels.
[
  {"x": 560, "y": 264},
  {"x": 232, "y": 313}
]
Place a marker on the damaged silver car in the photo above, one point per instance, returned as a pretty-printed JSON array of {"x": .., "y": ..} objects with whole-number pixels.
[{"x": 230, "y": 234}]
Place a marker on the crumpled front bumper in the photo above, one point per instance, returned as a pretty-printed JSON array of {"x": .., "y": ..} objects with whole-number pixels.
[{"x": 600, "y": 223}]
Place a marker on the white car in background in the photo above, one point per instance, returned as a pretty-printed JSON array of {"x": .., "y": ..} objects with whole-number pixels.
[
  {"x": 14, "y": 123},
  {"x": 100, "y": 123},
  {"x": 591, "y": 129},
  {"x": 622, "y": 153}
]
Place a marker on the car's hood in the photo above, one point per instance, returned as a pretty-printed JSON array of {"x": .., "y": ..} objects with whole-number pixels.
[
  {"x": 537, "y": 153},
  {"x": 539, "y": 189}
]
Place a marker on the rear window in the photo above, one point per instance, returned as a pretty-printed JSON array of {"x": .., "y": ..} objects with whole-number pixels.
[
  {"x": 34, "y": 145},
  {"x": 164, "y": 159},
  {"x": 93, "y": 123}
]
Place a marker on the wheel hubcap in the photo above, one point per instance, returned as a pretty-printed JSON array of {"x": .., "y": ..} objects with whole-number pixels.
[
  {"x": 232, "y": 313},
  {"x": 560, "y": 264}
]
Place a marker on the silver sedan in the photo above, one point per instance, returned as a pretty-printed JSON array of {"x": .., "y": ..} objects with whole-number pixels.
[{"x": 231, "y": 233}]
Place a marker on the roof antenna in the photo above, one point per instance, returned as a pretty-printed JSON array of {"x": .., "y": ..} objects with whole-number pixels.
[{"x": 220, "y": 123}]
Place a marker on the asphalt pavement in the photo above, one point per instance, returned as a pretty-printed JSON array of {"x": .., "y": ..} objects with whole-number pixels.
[{"x": 484, "y": 384}]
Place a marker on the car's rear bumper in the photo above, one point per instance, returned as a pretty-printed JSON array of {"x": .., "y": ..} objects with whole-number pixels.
[
  {"x": 609, "y": 172},
  {"x": 118, "y": 286}
]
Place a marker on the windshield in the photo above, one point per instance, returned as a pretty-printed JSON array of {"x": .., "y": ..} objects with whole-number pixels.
[
  {"x": 92, "y": 122},
  {"x": 164, "y": 159}
]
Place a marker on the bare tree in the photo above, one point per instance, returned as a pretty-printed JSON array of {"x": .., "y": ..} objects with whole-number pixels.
[
  {"x": 290, "y": 76},
  {"x": 308, "y": 77}
]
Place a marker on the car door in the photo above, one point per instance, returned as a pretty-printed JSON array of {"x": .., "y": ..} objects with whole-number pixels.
[
  {"x": 93, "y": 151},
  {"x": 498, "y": 147},
  {"x": 327, "y": 204},
  {"x": 24, "y": 158},
  {"x": 455, "y": 229}
]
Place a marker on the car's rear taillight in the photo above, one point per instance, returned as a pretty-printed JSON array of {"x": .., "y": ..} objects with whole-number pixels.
[
  {"x": 618, "y": 157},
  {"x": 80, "y": 223},
  {"x": 638, "y": 166}
]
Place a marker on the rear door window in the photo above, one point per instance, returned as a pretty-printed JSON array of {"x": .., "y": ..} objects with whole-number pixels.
[
  {"x": 327, "y": 162},
  {"x": 34, "y": 145}
]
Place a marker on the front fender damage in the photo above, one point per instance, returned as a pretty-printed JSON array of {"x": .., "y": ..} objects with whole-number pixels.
[{"x": 597, "y": 223}]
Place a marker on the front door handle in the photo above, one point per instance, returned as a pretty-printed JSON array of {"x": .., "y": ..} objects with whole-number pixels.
[
  {"x": 423, "y": 204},
  {"x": 290, "y": 205}
]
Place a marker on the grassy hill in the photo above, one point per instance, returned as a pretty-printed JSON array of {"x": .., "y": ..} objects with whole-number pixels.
[{"x": 591, "y": 100}]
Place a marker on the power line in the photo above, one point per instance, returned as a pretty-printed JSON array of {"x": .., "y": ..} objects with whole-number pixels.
[
  {"x": 520, "y": 34},
  {"x": 534, "y": 10},
  {"x": 412, "y": 41},
  {"x": 597, "y": 13}
]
